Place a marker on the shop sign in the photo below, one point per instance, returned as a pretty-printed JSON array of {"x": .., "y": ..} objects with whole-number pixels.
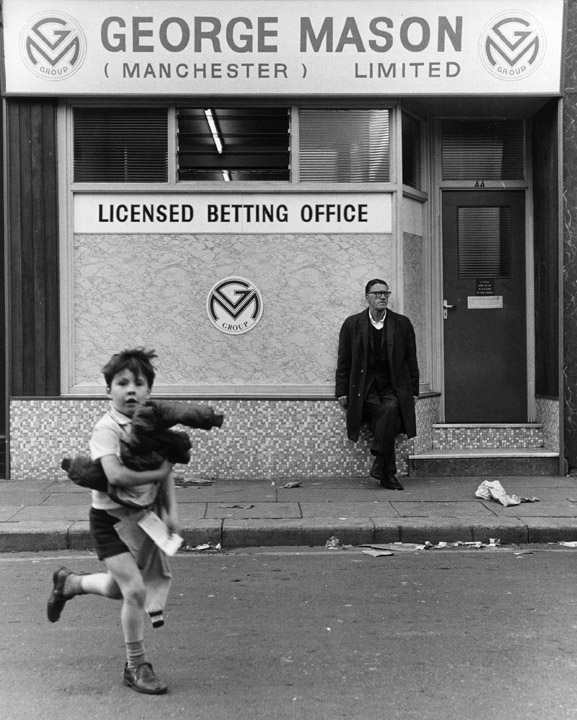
[
  {"x": 241, "y": 214},
  {"x": 234, "y": 305},
  {"x": 290, "y": 47}
]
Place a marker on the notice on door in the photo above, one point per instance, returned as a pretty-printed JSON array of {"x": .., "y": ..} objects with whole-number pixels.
[
  {"x": 488, "y": 302},
  {"x": 485, "y": 287}
]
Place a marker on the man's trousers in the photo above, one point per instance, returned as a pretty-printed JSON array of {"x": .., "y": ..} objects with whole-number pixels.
[{"x": 381, "y": 411}]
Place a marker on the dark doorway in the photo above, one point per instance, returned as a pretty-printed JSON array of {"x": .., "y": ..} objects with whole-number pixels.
[{"x": 485, "y": 344}]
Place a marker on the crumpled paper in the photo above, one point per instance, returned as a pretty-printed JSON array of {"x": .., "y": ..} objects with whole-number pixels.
[
  {"x": 493, "y": 490},
  {"x": 333, "y": 543},
  {"x": 214, "y": 547}
]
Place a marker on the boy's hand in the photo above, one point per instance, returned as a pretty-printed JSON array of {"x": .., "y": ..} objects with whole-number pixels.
[
  {"x": 217, "y": 419},
  {"x": 172, "y": 524}
]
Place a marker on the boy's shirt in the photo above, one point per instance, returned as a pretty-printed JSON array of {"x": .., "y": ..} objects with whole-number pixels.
[{"x": 106, "y": 436}]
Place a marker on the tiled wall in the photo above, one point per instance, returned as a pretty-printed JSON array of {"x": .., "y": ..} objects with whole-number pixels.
[
  {"x": 475, "y": 437},
  {"x": 259, "y": 439}
]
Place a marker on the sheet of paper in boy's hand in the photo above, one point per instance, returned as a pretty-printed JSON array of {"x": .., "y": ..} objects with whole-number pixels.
[{"x": 158, "y": 531}]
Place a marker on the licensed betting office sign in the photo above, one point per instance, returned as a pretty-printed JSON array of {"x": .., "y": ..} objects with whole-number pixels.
[
  {"x": 290, "y": 47},
  {"x": 108, "y": 213}
]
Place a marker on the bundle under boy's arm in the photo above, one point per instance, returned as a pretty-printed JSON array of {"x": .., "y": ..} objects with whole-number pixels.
[{"x": 122, "y": 476}]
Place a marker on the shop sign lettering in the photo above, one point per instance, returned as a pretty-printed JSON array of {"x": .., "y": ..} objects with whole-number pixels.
[
  {"x": 283, "y": 48},
  {"x": 130, "y": 213}
]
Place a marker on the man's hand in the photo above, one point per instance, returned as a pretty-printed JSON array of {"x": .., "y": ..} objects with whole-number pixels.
[{"x": 343, "y": 400}]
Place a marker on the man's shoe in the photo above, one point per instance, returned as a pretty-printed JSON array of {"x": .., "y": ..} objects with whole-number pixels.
[
  {"x": 377, "y": 470},
  {"x": 57, "y": 599},
  {"x": 391, "y": 483},
  {"x": 143, "y": 680}
]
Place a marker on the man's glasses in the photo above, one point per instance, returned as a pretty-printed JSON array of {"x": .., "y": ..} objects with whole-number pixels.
[{"x": 380, "y": 293}]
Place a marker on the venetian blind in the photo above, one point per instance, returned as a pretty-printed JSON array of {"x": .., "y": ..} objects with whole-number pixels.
[
  {"x": 483, "y": 150},
  {"x": 484, "y": 242},
  {"x": 344, "y": 145},
  {"x": 120, "y": 145}
]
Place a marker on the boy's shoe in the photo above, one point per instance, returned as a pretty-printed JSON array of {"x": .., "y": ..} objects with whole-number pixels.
[
  {"x": 143, "y": 680},
  {"x": 57, "y": 599}
]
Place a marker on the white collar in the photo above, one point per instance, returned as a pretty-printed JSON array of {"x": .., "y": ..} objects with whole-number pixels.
[
  {"x": 378, "y": 324},
  {"x": 118, "y": 417}
]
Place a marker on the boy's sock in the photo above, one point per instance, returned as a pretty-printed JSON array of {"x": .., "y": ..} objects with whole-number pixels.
[
  {"x": 73, "y": 585},
  {"x": 157, "y": 618},
  {"x": 135, "y": 654}
]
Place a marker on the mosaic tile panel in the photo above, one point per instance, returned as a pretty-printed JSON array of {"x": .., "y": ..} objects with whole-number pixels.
[
  {"x": 473, "y": 437},
  {"x": 260, "y": 439}
]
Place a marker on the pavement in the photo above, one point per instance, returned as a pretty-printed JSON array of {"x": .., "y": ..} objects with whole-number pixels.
[{"x": 38, "y": 515}]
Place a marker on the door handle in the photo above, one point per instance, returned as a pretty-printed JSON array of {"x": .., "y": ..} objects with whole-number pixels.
[{"x": 446, "y": 307}]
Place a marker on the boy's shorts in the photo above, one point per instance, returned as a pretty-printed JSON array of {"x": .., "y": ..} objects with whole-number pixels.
[{"x": 106, "y": 541}]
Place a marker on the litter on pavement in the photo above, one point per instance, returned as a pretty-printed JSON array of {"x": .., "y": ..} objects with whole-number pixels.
[
  {"x": 184, "y": 482},
  {"x": 204, "y": 547},
  {"x": 391, "y": 548},
  {"x": 493, "y": 490},
  {"x": 333, "y": 543}
]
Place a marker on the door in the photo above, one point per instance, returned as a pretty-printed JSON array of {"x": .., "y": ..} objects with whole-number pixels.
[{"x": 485, "y": 346}]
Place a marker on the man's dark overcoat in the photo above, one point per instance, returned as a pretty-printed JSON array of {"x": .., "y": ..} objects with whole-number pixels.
[{"x": 351, "y": 374}]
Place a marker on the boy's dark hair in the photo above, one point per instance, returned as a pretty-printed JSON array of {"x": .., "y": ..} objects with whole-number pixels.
[
  {"x": 137, "y": 360},
  {"x": 374, "y": 281}
]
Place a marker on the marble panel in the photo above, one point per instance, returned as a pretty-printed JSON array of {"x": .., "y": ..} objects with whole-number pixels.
[
  {"x": 570, "y": 237},
  {"x": 415, "y": 297},
  {"x": 151, "y": 290}
]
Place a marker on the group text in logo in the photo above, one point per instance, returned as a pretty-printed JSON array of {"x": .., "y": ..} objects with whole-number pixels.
[
  {"x": 53, "y": 46},
  {"x": 234, "y": 305},
  {"x": 512, "y": 46}
]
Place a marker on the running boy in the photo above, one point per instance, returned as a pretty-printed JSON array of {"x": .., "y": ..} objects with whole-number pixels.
[{"x": 131, "y": 559}]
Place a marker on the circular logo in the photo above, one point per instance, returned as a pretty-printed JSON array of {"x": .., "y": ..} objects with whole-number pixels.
[
  {"x": 53, "y": 46},
  {"x": 512, "y": 46},
  {"x": 234, "y": 305}
]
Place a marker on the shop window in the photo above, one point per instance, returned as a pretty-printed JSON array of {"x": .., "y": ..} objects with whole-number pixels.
[
  {"x": 132, "y": 145},
  {"x": 344, "y": 146},
  {"x": 120, "y": 145},
  {"x": 228, "y": 144},
  {"x": 483, "y": 150},
  {"x": 484, "y": 242},
  {"x": 411, "y": 131}
]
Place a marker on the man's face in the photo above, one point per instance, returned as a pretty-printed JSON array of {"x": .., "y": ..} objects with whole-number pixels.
[{"x": 378, "y": 298}]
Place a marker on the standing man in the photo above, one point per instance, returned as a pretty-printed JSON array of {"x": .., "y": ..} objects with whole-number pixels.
[{"x": 377, "y": 378}]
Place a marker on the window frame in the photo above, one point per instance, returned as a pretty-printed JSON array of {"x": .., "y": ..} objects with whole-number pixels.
[
  {"x": 174, "y": 185},
  {"x": 422, "y": 160}
]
